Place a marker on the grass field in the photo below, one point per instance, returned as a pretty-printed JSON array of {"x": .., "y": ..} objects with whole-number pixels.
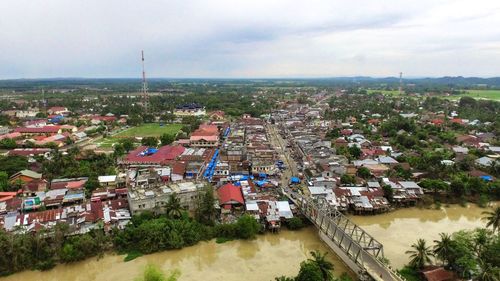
[
  {"x": 479, "y": 94},
  {"x": 106, "y": 143},
  {"x": 150, "y": 130},
  {"x": 145, "y": 130}
]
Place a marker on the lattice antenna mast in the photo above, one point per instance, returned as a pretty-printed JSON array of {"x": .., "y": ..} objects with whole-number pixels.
[
  {"x": 144, "y": 86},
  {"x": 44, "y": 101},
  {"x": 400, "y": 83}
]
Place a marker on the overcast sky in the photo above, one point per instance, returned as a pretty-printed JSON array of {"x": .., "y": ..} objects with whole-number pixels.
[{"x": 254, "y": 38}]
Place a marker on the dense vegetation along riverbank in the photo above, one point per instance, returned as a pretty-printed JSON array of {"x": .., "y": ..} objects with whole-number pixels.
[
  {"x": 263, "y": 258},
  {"x": 271, "y": 255},
  {"x": 146, "y": 234}
]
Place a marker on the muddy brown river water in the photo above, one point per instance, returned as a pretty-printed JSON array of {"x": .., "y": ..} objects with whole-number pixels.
[{"x": 269, "y": 255}]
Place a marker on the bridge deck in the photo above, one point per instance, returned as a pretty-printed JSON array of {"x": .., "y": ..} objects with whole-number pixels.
[{"x": 359, "y": 246}]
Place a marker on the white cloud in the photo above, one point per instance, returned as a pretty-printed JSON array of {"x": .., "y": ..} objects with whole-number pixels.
[{"x": 259, "y": 38}]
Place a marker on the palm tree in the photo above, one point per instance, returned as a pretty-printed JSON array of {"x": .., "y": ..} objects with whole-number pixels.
[
  {"x": 174, "y": 209},
  {"x": 488, "y": 272},
  {"x": 420, "y": 255},
  {"x": 442, "y": 248},
  {"x": 325, "y": 266},
  {"x": 493, "y": 218}
]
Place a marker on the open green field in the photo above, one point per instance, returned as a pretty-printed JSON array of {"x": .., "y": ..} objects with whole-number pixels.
[
  {"x": 106, "y": 143},
  {"x": 150, "y": 130},
  {"x": 479, "y": 94},
  {"x": 145, "y": 130}
]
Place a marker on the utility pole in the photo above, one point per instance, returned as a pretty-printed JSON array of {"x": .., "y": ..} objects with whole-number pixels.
[{"x": 145, "y": 96}]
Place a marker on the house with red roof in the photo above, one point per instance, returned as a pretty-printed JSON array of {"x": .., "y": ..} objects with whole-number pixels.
[
  {"x": 205, "y": 136},
  {"x": 38, "y": 131},
  {"x": 341, "y": 142},
  {"x": 34, "y": 186},
  {"x": 437, "y": 122},
  {"x": 28, "y": 151},
  {"x": 146, "y": 156},
  {"x": 230, "y": 196},
  {"x": 457, "y": 121},
  {"x": 346, "y": 132},
  {"x": 14, "y": 135},
  {"x": 57, "y": 110},
  {"x": 217, "y": 115}
]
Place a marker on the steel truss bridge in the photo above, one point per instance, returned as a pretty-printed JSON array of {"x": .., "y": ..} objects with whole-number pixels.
[{"x": 358, "y": 249}]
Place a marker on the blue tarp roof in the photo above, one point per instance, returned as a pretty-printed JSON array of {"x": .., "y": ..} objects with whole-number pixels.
[
  {"x": 149, "y": 151},
  {"x": 262, "y": 175},
  {"x": 295, "y": 180},
  {"x": 260, "y": 183},
  {"x": 487, "y": 178}
]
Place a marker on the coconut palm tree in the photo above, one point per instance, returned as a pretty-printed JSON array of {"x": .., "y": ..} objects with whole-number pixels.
[
  {"x": 488, "y": 272},
  {"x": 173, "y": 207},
  {"x": 443, "y": 247},
  {"x": 420, "y": 255},
  {"x": 493, "y": 218},
  {"x": 325, "y": 266}
]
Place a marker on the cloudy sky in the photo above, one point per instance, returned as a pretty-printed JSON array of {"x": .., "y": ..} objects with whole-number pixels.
[{"x": 254, "y": 38}]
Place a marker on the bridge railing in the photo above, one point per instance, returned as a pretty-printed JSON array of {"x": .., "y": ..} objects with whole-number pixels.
[{"x": 355, "y": 242}]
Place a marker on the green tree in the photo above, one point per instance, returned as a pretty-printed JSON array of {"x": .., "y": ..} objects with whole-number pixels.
[
  {"x": 458, "y": 187},
  {"x": 493, "y": 218},
  {"x": 8, "y": 144},
  {"x": 13, "y": 164},
  {"x": 206, "y": 212},
  {"x": 247, "y": 227},
  {"x": 4, "y": 181},
  {"x": 119, "y": 150},
  {"x": 173, "y": 207},
  {"x": 166, "y": 139},
  {"x": 127, "y": 143},
  {"x": 347, "y": 179},
  {"x": 355, "y": 151},
  {"x": 364, "y": 173},
  {"x": 488, "y": 272},
  {"x": 325, "y": 266},
  {"x": 443, "y": 248},
  {"x": 295, "y": 223},
  {"x": 91, "y": 184},
  {"x": 309, "y": 271},
  {"x": 388, "y": 192},
  {"x": 435, "y": 185},
  {"x": 420, "y": 255},
  {"x": 149, "y": 141}
]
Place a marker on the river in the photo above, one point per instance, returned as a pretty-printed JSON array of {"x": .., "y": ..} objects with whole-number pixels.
[
  {"x": 269, "y": 255},
  {"x": 399, "y": 229},
  {"x": 261, "y": 259}
]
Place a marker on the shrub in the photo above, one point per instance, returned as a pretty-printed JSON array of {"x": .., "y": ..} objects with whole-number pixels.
[{"x": 295, "y": 223}]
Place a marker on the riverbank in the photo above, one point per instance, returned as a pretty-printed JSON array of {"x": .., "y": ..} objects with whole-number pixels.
[
  {"x": 263, "y": 258},
  {"x": 398, "y": 229},
  {"x": 271, "y": 255}
]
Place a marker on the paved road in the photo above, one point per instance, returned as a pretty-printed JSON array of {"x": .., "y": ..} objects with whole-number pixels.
[
  {"x": 375, "y": 269},
  {"x": 284, "y": 153}
]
